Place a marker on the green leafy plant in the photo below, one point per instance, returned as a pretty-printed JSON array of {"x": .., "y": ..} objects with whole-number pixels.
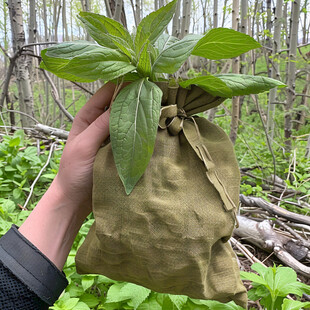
[
  {"x": 19, "y": 165},
  {"x": 144, "y": 58},
  {"x": 272, "y": 285}
]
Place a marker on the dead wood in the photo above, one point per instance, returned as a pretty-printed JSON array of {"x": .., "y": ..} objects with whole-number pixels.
[
  {"x": 261, "y": 234},
  {"x": 274, "y": 210},
  {"x": 62, "y": 134}
]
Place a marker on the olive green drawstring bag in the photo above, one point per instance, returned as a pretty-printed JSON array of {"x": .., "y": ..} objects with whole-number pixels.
[{"x": 170, "y": 234}]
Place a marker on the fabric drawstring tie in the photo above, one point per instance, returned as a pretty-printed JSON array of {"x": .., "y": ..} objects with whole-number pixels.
[{"x": 175, "y": 120}]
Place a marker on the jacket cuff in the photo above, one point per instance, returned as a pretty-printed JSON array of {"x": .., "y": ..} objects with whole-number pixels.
[{"x": 31, "y": 266}]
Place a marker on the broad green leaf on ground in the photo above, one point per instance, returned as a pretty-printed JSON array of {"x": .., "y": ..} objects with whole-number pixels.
[
  {"x": 55, "y": 65},
  {"x": 144, "y": 63},
  {"x": 104, "y": 63},
  {"x": 216, "y": 305},
  {"x": 241, "y": 84},
  {"x": 133, "y": 127},
  {"x": 113, "y": 294},
  {"x": 172, "y": 58},
  {"x": 153, "y": 25},
  {"x": 279, "y": 281},
  {"x": 164, "y": 41},
  {"x": 107, "y": 32},
  {"x": 178, "y": 300},
  {"x": 136, "y": 293},
  {"x": 221, "y": 43},
  {"x": 150, "y": 303},
  {"x": 210, "y": 84},
  {"x": 294, "y": 305},
  {"x": 87, "y": 282},
  {"x": 74, "y": 290},
  {"x": 90, "y": 300}
]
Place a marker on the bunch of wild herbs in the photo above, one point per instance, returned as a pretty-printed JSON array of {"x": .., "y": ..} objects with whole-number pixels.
[{"x": 144, "y": 58}]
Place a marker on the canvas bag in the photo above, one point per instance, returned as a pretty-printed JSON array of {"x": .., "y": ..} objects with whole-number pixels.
[{"x": 170, "y": 234}]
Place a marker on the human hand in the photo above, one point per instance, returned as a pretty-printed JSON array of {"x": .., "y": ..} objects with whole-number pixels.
[
  {"x": 58, "y": 216},
  {"x": 89, "y": 130}
]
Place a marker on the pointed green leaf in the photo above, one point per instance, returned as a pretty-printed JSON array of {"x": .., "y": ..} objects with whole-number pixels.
[
  {"x": 252, "y": 277},
  {"x": 221, "y": 43},
  {"x": 294, "y": 305},
  {"x": 90, "y": 300},
  {"x": 133, "y": 127},
  {"x": 248, "y": 84},
  {"x": 216, "y": 305},
  {"x": 70, "y": 303},
  {"x": 154, "y": 24},
  {"x": 87, "y": 282},
  {"x": 55, "y": 65},
  {"x": 210, "y": 84},
  {"x": 144, "y": 63},
  {"x": 113, "y": 294},
  {"x": 104, "y": 63},
  {"x": 136, "y": 293},
  {"x": 178, "y": 300},
  {"x": 150, "y": 304},
  {"x": 106, "y": 25},
  {"x": 164, "y": 41},
  {"x": 84, "y": 62},
  {"x": 173, "y": 57},
  {"x": 81, "y": 306},
  {"x": 69, "y": 50},
  {"x": 107, "y": 32}
]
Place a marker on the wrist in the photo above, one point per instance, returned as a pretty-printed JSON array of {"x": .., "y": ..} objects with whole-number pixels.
[{"x": 53, "y": 224}]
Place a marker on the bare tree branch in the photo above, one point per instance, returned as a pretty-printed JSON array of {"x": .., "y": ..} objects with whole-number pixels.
[
  {"x": 38, "y": 176},
  {"x": 62, "y": 134},
  {"x": 56, "y": 97}
]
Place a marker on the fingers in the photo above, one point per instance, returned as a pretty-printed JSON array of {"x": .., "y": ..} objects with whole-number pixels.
[
  {"x": 95, "y": 106},
  {"x": 95, "y": 134}
]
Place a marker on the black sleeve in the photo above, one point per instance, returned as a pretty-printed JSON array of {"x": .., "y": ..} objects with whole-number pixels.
[{"x": 28, "y": 279}]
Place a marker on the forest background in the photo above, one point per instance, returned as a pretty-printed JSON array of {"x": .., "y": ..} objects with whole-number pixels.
[{"x": 271, "y": 131}]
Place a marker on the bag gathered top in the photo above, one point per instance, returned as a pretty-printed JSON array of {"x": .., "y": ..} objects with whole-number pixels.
[{"x": 171, "y": 233}]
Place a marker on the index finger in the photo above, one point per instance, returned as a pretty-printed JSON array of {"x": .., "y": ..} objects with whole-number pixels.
[{"x": 94, "y": 107}]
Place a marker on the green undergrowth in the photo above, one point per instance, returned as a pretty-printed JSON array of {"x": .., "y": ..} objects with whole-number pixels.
[
  {"x": 259, "y": 161},
  {"x": 21, "y": 161}
]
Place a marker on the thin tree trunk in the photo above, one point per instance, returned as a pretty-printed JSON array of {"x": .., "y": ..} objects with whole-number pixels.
[
  {"x": 56, "y": 15},
  {"x": 32, "y": 31},
  {"x": 138, "y": 11},
  {"x": 235, "y": 69},
  {"x": 204, "y": 14},
  {"x": 268, "y": 38},
  {"x": 275, "y": 69},
  {"x": 21, "y": 68},
  {"x": 291, "y": 73},
  {"x": 108, "y": 8},
  {"x": 64, "y": 21},
  {"x": 307, "y": 155},
  {"x": 46, "y": 38},
  {"x": 224, "y": 12},
  {"x": 301, "y": 114},
  {"x": 176, "y": 20},
  {"x": 286, "y": 29},
  {"x": 118, "y": 12},
  {"x": 212, "y": 112},
  {"x": 186, "y": 17},
  {"x": 244, "y": 23},
  {"x": 304, "y": 26}
]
